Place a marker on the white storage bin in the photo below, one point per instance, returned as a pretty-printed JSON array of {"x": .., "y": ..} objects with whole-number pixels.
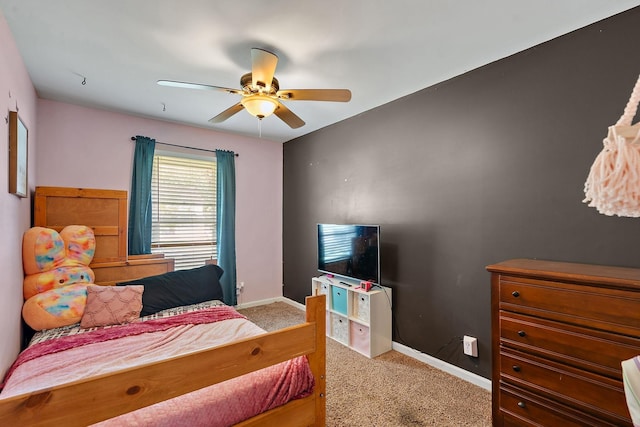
[
  {"x": 339, "y": 328},
  {"x": 360, "y": 306},
  {"x": 359, "y": 335}
]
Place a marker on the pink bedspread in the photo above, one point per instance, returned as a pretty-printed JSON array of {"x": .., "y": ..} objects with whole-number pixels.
[
  {"x": 222, "y": 404},
  {"x": 209, "y": 315}
]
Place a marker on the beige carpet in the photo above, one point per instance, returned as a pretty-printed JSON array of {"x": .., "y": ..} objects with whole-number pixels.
[{"x": 389, "y": 390}]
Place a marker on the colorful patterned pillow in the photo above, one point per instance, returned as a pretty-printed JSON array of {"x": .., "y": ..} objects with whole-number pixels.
[
  {"x": 55, "y": 307},
  {"x": 57, "y": 272},
  {"x": 111, "y": 305},
  {"x": 54, "y": 260}
]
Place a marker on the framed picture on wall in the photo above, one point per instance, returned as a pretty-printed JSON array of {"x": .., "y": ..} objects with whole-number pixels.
[{"x": 18, "y": 152}]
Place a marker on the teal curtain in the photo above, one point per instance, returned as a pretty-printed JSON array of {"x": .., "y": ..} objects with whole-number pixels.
[
  {"x": 140, "y": 197},
  {"x": 226, "y": 223}
]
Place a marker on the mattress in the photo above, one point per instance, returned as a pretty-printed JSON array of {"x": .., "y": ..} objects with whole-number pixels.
[{"x": 67, "y": 354}]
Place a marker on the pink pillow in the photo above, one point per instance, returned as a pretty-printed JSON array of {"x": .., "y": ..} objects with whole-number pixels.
[{"x": 111, "y": 305}]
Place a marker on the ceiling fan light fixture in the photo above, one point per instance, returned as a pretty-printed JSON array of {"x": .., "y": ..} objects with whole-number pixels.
[{"x": 259, "y": 106}]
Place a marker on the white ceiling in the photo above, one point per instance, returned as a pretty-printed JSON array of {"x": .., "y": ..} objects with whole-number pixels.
[{"x": 380, "y": 49}]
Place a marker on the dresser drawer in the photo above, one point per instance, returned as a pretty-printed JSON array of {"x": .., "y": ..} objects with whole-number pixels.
[
  {"x": 598, "y": 351},
  {"x": 588, "y": 392},
  {"x": 136, "y": 267},
  {"x": 602, "y": 308},
  {"x": 519, "y": 408}
]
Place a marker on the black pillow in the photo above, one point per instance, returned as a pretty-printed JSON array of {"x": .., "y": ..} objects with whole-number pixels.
[{"x": 176, "y": 288}]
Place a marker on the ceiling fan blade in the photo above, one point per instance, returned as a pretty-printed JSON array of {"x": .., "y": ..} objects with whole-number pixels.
[
  {"x": 227, "y": 113},
  {"x": 188, "y": 85},
  {"x": 335, "y": 95},
  {"x": 263, "y": 67},
  {"x": 288, "y": 116}
]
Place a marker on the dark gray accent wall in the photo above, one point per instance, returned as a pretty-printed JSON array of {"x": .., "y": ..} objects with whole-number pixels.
[{"x": 487, "y": 166}]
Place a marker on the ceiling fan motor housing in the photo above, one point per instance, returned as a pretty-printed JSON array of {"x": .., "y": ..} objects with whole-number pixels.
[{"x": 246, "y": 83}]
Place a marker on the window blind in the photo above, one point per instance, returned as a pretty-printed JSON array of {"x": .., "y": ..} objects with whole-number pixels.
[{"x": 183, "y": 197}]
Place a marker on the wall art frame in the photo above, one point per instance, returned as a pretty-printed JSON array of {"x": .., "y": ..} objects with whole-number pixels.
[{"x": 18, "y": 155}]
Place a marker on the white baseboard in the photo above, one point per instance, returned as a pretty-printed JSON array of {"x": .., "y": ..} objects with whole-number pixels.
[
  {"x": 401, "y": 348},
  {"x": 476, "y": 379},
  {"x": 257, "y": 303},
  {"x": 293, "y": 303},
  {"x": 270, "y": 301}
]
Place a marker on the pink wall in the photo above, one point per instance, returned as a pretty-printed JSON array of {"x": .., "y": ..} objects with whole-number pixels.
[
  {"x": 74, "y": 146},
  {"x": 16, "y": 94},
  {"x": 86, "y": 147}
]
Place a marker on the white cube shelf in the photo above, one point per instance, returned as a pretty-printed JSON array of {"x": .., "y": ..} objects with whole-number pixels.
[{"x": 356, "y": 318}]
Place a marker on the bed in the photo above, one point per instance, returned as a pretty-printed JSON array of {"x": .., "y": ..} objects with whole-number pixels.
[{"x": 157, "y": 386}]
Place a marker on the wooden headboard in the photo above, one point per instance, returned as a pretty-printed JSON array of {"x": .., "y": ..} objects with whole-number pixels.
[{"x": 105, "y": 212}]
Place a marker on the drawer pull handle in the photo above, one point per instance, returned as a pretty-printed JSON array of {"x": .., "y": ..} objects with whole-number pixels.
[
  {"x": 516, "y": 368},
  {"x": 522, "y": 333},
  {"x": 522, "y": 404},
  {"x": 515, "y": 294}
]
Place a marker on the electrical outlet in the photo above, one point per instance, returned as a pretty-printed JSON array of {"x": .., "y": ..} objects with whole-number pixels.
[
  {"x": 470, "y": 346},
  {"x": 239, "y": 288}
]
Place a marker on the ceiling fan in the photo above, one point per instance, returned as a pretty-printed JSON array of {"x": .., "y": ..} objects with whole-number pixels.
[{"x": 261, "y": 92}]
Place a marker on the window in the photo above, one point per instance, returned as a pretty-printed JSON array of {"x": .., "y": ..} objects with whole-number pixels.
[{"x": 183, "y": 195}]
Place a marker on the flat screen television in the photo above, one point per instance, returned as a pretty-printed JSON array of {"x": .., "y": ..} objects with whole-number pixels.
[{"x": 349, "y": 250}]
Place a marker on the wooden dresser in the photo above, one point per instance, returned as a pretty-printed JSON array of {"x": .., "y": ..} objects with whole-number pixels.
[
  {"x": 559, "y": 333},
  {"x": 135, "y": 267}
]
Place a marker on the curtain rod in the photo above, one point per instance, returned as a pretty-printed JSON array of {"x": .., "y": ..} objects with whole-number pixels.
[{"x": 133, "y": 138}]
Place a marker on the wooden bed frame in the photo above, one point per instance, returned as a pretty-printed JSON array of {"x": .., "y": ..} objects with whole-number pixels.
[{"x": 102, "y": 397}]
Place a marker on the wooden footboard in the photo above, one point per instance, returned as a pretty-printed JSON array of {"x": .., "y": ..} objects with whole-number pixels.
[{"x": 98, "y": 398}]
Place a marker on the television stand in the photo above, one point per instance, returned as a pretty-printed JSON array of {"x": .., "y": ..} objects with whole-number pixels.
[{"x": 359, "y": 319}]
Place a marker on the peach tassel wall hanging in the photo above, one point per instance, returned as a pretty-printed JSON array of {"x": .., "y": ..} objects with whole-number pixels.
[{"x": 613, "y": 184}]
